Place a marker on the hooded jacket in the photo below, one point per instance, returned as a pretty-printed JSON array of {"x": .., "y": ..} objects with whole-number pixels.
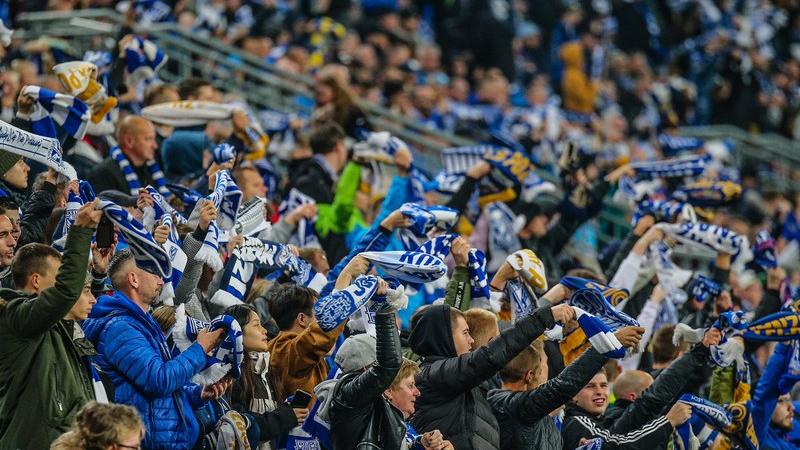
[
  {"x": 450, "y": 397},
  {"x": 524, "y": 417},
  {"x": 578, "y": 91},
  {"x": 133, "y": 351},
  {"x": 44, "y": 376}
]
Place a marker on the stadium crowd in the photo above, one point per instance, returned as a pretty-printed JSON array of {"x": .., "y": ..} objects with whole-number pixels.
[{"x": 181, "y": 271}]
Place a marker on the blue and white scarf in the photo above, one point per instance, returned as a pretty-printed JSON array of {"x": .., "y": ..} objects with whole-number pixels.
[
  {"x": 503, "y": 228},
  {"x": 225, "y": 359},
  {"x": 410, "y": 266},
  {"x": 670, "y": 145},
  {"x": 160, "y": 207},
  {"x": 509, "y": 168},
  {"x": 143, "y": 53},
  {"x": 440, "y": 248},
  {"x": 696, "y": 434},
  {"x": 709, "y": 193},
  {"x": 226, "y": 198},
  {"x": 74, "y": 203},
  {"x": 133, "y": 180},
  {"x": 710, "y": 237},
  {"x": 672, "y": 168},
  {"x": 305, "y": 235},
  {"x": 41, "y": 149},
  {"x": 594, "y": 444},
  {"x": 189, "y": 197},
  {"x": 423, "y": 221},
  {"x": 520, "y": 298},
  {"x": 333, "y": 310},
  {"x": 600, "y": 335},
  {"x": 705, "y": 288},
  {"x": 764, "y": 250},
  {"x": 591, "y": 300},
  {"x": 663, "y": 211},
  {"x": 148, "y": 254},
  {"x": 51, "y": 109},
  {"x": 223, "y": 153},
  {"x": 178, "y": 259},
  {"x": 613, "y": 296},
  {"x": 254, "y": 255},
  {"x": 735, "y": 420}
]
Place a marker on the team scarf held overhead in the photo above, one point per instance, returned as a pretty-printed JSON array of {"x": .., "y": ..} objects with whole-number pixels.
[
  {"x": 764, "y": 251},
  {"x": 734, "y": 420},
  {"x": 305, "y": 235},
  {"x": 597, "y": 332},
  {"x": 333, "y": 310},
  {"x": 711, "y": 237},
  {"x": 74, "y": 203},
  {"x": 189, "y": 197},
  {"x": 133, "y": 180},
  {"x": 663, "y": 211},
  {"x": 225, "y": 359},
  {"x": 79, "y": 79},
  {"x": 51, "y": 109},
  {"x": 148, "y": 254},
  {"x": 227, "y": 198},
  {"x": 41, "y": 149},
  {"x": 178, "y": 260},
  {"x": 254, "y": 255},
  {"x": 144, "y": 59},
  {"x": 615, "y": 297},
  {"x": 160, "y": 207},
  {"x": 503, "y": 228},
  {"x": 709, "y": 193},
  {"x": 509, "y": 168},
  {"x": 223, "y": 154},
  {"x": 705, "y": 288},
  {"x": 592, "y": 301},
  {"x": 425, "y": 220},
  {"x": 191, "y": 113},
  {"x": 532, "y": 278},
  {"x": 380, "y": 149},
  {"x": 637, "y": 187}
]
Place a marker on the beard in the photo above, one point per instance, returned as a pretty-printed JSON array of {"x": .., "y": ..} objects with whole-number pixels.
[
  {"x": 156, "y": 295},
  {"x": 786, "y": 425}
]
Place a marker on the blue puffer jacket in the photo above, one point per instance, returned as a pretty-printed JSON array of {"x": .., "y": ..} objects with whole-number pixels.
[{"x": 132, "y": 350}]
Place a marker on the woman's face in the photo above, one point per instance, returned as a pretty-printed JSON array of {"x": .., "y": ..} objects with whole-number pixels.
[
  {"x": 254, "y": 335},
  {"x": 404, "y": 396},
  {"x": 17, "y": 176}
]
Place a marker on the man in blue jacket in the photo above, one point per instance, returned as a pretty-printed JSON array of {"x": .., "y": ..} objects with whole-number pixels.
[
  {"x": 133, "y": 351},
  {"x": 771, "y": 412}
]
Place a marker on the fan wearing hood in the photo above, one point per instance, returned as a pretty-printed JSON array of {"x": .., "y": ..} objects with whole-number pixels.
[{"x": 451, "y": 400}]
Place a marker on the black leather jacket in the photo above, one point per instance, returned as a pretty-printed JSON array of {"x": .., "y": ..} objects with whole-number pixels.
[{"x": 358, "y": 397}]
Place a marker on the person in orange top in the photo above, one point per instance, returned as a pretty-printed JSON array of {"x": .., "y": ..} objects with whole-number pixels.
[
  {"x": 577, "y": 90},
  {"x": 297, "y": 354}
]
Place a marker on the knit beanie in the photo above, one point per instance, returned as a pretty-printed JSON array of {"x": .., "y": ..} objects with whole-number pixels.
[{"x": 7, "y": 161}]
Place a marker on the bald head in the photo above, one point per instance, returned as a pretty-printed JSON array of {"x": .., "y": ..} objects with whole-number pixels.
[
  {"x": 137, "y": 139},
  {"x": 631, "y": 383}
]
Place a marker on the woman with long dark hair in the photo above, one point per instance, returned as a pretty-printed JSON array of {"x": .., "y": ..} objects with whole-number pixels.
[
  {"x": 256, "y": 394},
  {"x": 336, "y": 102}
]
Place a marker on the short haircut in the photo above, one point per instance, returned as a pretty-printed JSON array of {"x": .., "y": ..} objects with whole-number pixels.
[
  {"x": 289, "y": 300},
  {"x": 325, "y": 136},
  {"x": 155, "y": 95},
  {"x": 663, "y": 349},
  {"x": 528, "y": 359},
  {"x": 30, "y": 259},
  {"x": 8, "y": 204},
  {"x": 454, "y": 315},
  {"x": 191, "y": 86},
  {"x": 239, "y": 171},
  {"x": 407, "y": 369},
  {"x": 482, "y": 324},
  {"x": 115, "y": 266}
]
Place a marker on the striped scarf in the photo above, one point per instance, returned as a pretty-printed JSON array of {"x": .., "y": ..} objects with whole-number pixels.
[
  {"x": 41, "y": 149},
  {"x": 160, "y": 207},
  {"x": 74, "y": 203},
  {"x": 600, "y": 335},
  {"x": 305, "y": 234},
  {"x": 503, "y": 228},
  {"x": 509, "y": 168},
  {"x": 613, "y": 296},
  {"x": 591, "y": 300},
  {"x": 133, "y": 180},
  {"x": 192, "y": 113},
  {"x": 178, "y": 260},
  {"x": 709, "y": 193},
  {"x": 53, "y": 109},
  {"x": 734, "y": 420},
  {"x": 77, "y": 78},
  {"x": 672, "y": 168},
  {"x": 712, "y": 237},
  {"x": 225, "y": 359},
  {"x": 423, "y": 221},
  {"x": 148, "y": 254},
  {"x": 226, "y": 197},
  {"x": 333, "y": 310},
  {"x": 439, "y": 247}
]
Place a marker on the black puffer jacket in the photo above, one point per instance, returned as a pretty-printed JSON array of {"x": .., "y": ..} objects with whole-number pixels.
[
  {"x": 358, "y": 396},
  {"x": 36, "y": 213},
  {"x": 450, "y": 397},
  {"x": 524, "y": 415}
]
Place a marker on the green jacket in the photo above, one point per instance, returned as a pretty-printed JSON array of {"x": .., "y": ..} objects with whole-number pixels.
[
  {"x": 44, "y": 377},
  {"x": 341, "y": 216}
]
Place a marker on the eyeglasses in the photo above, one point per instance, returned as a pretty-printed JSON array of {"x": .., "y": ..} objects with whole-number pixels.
[{"x": 131, "y": 447}]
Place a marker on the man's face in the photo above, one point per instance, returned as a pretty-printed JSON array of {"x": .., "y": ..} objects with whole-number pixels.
[
  {"x": 13, "y": 216},
  {"x": 81, "y": 309},
  {"x": 782, "y": 417},
  {"x": 17, "y": 176},
  {"x": 149, "y": 286},
  {"x": 207, "y": 94},
  {"x": 593, "y": 398},
  {"x": 7, "y": 242},
  {"x": 252, "y": 185},
  {"x": 461, "y": 337},
  {"x": 144, "y": 142}
]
